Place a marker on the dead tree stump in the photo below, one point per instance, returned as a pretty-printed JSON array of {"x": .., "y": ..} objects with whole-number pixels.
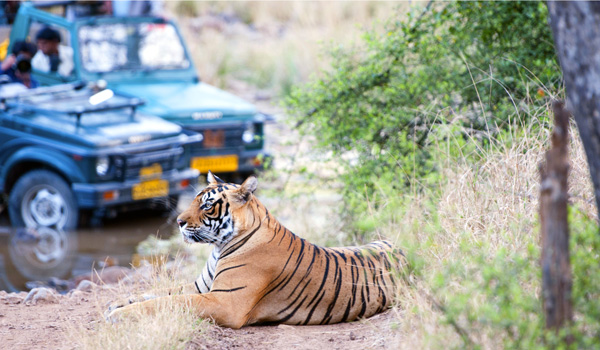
[{"x": 556, "y": 268}]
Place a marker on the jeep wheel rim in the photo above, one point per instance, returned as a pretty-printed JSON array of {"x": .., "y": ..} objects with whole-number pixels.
[{"x": 43, "y": 205}]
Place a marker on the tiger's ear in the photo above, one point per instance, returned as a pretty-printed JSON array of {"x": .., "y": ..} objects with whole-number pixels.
[
  {"x": 246, "y": 189},
  {"x": 213, "y": 179}
]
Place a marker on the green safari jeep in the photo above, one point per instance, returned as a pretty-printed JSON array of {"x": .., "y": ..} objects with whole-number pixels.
[
  {"x": 146, "y": 57},
  {"x": 74, "y": 148}
]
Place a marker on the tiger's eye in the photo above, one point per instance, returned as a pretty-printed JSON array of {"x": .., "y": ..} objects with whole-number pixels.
[{"x": 206, "y": 206}]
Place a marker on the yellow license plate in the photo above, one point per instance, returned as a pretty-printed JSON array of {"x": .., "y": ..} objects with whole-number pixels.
[
  {"x": 150, "y": 189},
  {"x": 215, "y": 164}
]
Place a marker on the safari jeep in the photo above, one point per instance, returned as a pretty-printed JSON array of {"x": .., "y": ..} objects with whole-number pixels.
[
  {"x": 74, "y": 148},
  {"x": 146, "y": 57}
]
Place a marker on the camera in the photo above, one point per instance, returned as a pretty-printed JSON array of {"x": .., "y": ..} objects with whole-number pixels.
[{"x": 22, "y": 64}]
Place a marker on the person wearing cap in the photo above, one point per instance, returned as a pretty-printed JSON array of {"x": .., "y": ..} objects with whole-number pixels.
[
  {"x": 51, "y": 56},
  {"x": 17, "y": 65}
]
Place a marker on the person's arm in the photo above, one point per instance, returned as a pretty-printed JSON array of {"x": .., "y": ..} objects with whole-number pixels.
[{"x": 8, "y": 62}]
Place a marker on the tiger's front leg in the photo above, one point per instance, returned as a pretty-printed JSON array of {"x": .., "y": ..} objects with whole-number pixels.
[
  {"x": 210, "y": 305},
  {"x": 184, "y": 289}
]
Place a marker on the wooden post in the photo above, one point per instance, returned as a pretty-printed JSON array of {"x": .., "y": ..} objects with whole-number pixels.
[{"x": 556, "y": 268}]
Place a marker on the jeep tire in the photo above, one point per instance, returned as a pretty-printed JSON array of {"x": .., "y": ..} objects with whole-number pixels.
[{"x": 42, "y": 198}]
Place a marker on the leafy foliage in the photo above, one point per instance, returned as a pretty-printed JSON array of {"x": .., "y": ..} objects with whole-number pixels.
[
  {"x": 494, "y": 300},
  {"x": 479, "y": 65}
]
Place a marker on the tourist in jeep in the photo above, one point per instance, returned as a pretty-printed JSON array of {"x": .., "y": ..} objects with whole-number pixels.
[
  {"x": 17, "y": 65},
  {"x": 51, "y": 56}
]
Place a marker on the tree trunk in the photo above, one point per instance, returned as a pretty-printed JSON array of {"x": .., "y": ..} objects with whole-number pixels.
[
  {"x": 576, "y": 28},
  {"x": 556, "y": 269}
]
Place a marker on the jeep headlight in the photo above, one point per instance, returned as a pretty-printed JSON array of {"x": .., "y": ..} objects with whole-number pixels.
[
  {"x": 248, "y": 135},
  {"x": 102, "y": 165}
]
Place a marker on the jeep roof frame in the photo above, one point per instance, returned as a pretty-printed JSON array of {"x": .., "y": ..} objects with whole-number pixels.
[{"x": 15, "y": 101}]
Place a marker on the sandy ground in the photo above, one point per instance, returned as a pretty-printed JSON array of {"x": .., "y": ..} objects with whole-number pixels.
[
  {"x": 45, "y": 324},
  {"x": 364, "y": 334}
]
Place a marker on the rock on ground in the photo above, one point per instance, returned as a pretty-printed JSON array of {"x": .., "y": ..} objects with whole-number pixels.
[{"x": 41, "y": 295}]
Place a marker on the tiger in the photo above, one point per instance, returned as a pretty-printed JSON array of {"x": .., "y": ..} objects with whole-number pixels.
[{"x": 261, "y": 273}]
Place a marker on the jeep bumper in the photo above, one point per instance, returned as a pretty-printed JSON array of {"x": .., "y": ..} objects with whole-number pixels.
[{"x": 100, "y": 195}]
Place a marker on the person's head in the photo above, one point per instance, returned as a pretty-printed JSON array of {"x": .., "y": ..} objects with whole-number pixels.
[
  {"x": 47, "y": 41},
  {"x": 23, "y": 52},
  {"x": 24, "y": 49}
]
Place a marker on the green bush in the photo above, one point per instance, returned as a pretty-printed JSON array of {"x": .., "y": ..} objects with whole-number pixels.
[
  {"x": 482, "y": 66},
  {"x": 496, "y": 301},
  {"x": 585, "y": 257}
]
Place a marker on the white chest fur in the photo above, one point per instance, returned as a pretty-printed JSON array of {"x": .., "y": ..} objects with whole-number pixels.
[{"x": 205, "y": 281}]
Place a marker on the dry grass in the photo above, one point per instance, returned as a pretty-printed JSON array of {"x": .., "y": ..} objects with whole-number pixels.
[
  {"x": 272, "y": 45},
  {"x": 172, "y": 327}
]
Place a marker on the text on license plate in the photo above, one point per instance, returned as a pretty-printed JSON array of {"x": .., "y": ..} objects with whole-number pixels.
[
  {"x": 150, "y": 189},
  {"x": 215, "y": 164}
]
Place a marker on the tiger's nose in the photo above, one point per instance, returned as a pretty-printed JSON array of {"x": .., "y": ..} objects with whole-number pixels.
[{"x": 181, "y": 223}]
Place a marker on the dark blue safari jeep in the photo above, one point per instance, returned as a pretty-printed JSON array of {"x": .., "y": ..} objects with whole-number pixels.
[
  {"x": 146, "y": 57},
  {"x": 77, "y": 147}
]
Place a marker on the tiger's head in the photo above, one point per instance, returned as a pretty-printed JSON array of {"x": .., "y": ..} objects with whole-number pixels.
[{"x": 210, "y": 218}]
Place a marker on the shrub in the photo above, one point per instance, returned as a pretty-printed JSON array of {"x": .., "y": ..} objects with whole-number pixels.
[
  {"x": 498, "y": 303},
  {"x": 480, "y": 65}
]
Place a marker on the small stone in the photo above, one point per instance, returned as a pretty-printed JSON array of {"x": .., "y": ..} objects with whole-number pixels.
[
  {"x": 42, "y": 295},
  {"x": 86, "y": 286},
  {"x": 352, "y": 336},
  {"x": 11, "y": 298},
  {"x": 111, "y": 275}
]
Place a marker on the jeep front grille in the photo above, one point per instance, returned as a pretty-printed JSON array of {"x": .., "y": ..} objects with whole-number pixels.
[
  {"x": 219, "y": 138},
  {"x": 166, "y": 158}
]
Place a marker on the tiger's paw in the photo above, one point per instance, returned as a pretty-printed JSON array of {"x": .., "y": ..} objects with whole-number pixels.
[
  {"x": 116, "y": 308},
  {"x": 114, "y": 316}
]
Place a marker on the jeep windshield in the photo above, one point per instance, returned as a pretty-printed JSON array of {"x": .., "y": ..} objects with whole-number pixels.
[{"x": 146, "y": 46}]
